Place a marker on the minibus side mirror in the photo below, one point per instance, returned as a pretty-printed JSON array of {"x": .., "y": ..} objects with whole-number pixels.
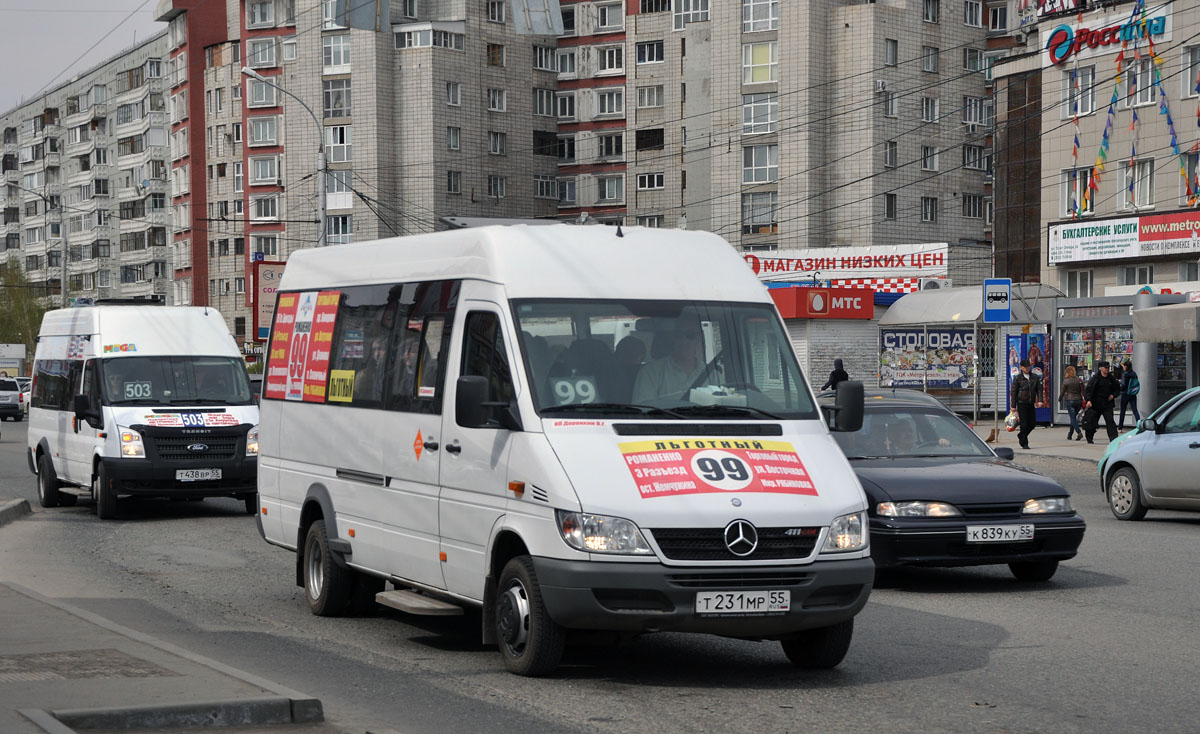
[
  {"x": 85, "y": 412},
  {"x": 473, "y": 410},
  {"x": 848, "y": 407}
]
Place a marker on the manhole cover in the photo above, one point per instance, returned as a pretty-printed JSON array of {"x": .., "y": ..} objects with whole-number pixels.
[{"x": 76, "y": 664}]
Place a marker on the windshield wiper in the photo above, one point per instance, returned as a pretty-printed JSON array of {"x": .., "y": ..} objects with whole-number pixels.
[
  {"x": 725, "y": 410},
  {"x": 610, "y": 408}
]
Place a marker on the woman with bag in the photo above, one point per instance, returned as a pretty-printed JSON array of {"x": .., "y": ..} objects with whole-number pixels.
[
  {"x": 1130, "y": 387},
  {"x": 1071, "y": 396}
]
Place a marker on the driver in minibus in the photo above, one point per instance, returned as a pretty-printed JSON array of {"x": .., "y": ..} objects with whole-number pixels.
[{"x": 673, "y": 375}]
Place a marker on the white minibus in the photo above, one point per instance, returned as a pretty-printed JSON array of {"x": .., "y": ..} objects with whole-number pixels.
[
  {"x": 137, "y": 399},
  {"x": 566, "y": 427}
]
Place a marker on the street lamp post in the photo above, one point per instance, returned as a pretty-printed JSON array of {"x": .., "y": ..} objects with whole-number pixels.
[{"x": 321, "y": 182}]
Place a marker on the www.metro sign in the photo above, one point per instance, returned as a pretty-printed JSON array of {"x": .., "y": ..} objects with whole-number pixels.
[{"x": 1064, "y": 41}]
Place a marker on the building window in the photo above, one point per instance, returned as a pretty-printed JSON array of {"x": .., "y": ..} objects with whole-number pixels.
[
  {"x": 889, "y": 104},
  {"x": 337, "y": 97},
  {"x": 260, "y": 14},
  {"x": 264, "y": 171},
  {"x": 453, "y": 138},
  {"x": 237, "y": 129},
  {"x": 496, "y": 186},
  {"x": 929, "y": 109},
  {"x": 261, "y": 94},
  {"x": 495, "y": 54},
  {"x": 650, "y": 181},
  {"x": 760, "y": 113},
  {"x": 339, "y": 146},
  {"x": 1189, "y": 272},
  {"x": 890, "y": 149},
  {"x": 410, "y": 8},
  {"x": 610, "y": 189},
  {"x": 610, "y": 101},
  {"x": 891, "y": 51},
  {"x": 262, "y": 53},
  {"x": 972, "y": 110},
  {"x": 453, "y": 94},
  {"x": 1137, "y": 275},
  {"x": 566, "y": 191},
  {"x": 566, "y": 149},
  {"x": 973, "y": 13},
  {"x": 889, "y": 206},
  {"x": 653, "y": 221},
  {"x": 974, "y": 157},
  {"x": 262, "y": 131},
  {"x": 998, "y": 18},
  {"x": 929, "y": 12},
  {"x": 929, "y": 209},
  {"x": 760, "y": 15},
  {"x": 1079, "y": 91},
  {"x": 1137, "y": 182},
  {"x": 1191, "y": 57},
  {"x": 266, "y": 244},
  {"x": 611, "y": 59},
  {"x": 1080, "y": 283},
  {"x": 453, "y": 182},
  {"x": 1076, "y": 200},
  {"x": 609, "y": 16},
  {"x": 972, "y": 59},
  {"x": 289, "y": 48},
  {"x": 336, "y": 53},
  {"x": 929, "y": 58},
  {"x": 972, "y": 206},
  {"x": 929, "y": 158},
  {"x": 650, "y": 52},
  {"x": 612, "y": 145},
  {"x": 655, "y": 6},
  {"x": 690, "y": 11},
  {"x": 1140, "y": 83},
  {"x": 566, "y": 63},
  {"x": 264, "y": 207},
  {"x": 544, "y": 58},
  {"x": 760, "y": 163},
  {"x": 568, "y": 20},
  {"x": 497, "y": 143},
  {"x": 759, "y": 62},
  {"x": 565, "y": 103},
  {"x": 339, "y": 229},
  {"x": 760, "y": 212},
  {"x": 545, "y": 187},
  {"x": 239, "y": 177},
  {"x": 495, "y": 11},
  {"x": 652, "y": 139},
  {"x": 650, "y": 96},
  {"x": 497, "y": 100}
]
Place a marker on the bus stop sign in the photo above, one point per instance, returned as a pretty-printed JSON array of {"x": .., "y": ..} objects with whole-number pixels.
[{"x": 997, "y": 300}]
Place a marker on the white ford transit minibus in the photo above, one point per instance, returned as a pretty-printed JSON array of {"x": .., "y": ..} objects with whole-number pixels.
[
  {"x": 140, "y": 400},
  {"x": 570, "y": 427}
]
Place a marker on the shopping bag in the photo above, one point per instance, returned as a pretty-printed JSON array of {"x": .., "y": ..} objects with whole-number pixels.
[
  {"x": 1091, "y": 419},
  {"x": 1011, "y": 421}
]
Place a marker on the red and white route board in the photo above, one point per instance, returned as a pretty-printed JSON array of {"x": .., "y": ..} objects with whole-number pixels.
[
  {"x": 669, "y": 467},
  {"x": 298, "y": 361}
]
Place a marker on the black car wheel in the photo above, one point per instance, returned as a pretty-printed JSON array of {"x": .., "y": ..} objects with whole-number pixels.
[
  {"x": 47, "y": 481},
  {"x": 106, "y": 495},
  {"x": 327, "y": 585},
  {"x": 1034, "y": 570},
  {"x": 531, "y": 643},
  {"x": 820, "y": 648},
  {"x": 1125, "y": 495}
]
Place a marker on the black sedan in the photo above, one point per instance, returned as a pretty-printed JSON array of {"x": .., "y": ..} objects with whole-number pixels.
[{"x": 939, "y": 496}]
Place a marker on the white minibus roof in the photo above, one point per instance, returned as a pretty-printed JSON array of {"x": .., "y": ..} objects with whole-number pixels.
[
  {"x": 138, "y": 331},
  {"x": 554, "y": 261}
]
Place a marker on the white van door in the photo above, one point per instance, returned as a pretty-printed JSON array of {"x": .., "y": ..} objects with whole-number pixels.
[
  {"x": 475, "y": 460},
  {"x": 81, "y": 438}
]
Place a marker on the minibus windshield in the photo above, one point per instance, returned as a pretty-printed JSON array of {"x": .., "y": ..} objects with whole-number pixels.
[
  {"x": 660, "y": 359},
  {"x": 175, "y": 381}
]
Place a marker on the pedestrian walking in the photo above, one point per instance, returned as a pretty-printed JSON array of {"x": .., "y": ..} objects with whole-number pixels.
[
  {"x": 1070, "y": 395},
  {"x": 1130, "y": 387},
  {"x": 838, "y": 375},
  {"x": 1026, "y": 394},
  {"x": 1100, "y": 398}
]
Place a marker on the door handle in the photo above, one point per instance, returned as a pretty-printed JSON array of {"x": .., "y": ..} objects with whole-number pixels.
[
  {"x": 454, "y": 448},
  {"x": 431, "y": 445},
  {"x": 1194, "y": 445}
]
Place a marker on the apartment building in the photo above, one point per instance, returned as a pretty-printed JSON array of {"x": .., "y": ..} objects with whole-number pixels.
[
  {"x": 86, "y": 183},
  {"x": 778, "y": 124}
]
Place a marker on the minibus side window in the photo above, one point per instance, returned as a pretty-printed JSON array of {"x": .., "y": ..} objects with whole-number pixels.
[
  {"x": 484, "y": 355},
  {"x": 57, "y": 380}
]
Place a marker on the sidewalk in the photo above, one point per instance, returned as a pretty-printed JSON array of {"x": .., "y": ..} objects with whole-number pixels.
[
  {"x": 1045, "y": 441},
  {"x": 64, "y": 669}
]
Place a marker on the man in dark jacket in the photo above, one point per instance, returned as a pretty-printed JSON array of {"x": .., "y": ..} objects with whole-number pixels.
[
  {"x": 838, "y": 375},
  {"x": 1100, "y": 396},
  {"x": 1026, "y": 393}
]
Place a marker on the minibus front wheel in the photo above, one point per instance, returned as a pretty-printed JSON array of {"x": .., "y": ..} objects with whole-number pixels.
[
  {"x": 531, "y": 643},
  {"x": 327, "y": 585}
]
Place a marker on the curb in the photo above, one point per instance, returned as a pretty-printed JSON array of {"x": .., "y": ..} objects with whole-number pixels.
[
  {"x": 285, "y": 706},
  {"x": 12, "y": 509}
]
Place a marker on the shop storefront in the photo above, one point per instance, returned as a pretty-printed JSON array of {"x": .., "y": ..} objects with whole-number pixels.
[
  {"x": 1176, "y": 331},
  {"x": 825, "y": 324}
]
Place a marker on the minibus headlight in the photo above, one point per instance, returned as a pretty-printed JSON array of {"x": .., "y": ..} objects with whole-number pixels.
[
  {"x": 847, "y": 533},
  {"x": 131, "y": 444},
  {"x": 601, "y": 534},
  {"x": 252, "y": 442}
]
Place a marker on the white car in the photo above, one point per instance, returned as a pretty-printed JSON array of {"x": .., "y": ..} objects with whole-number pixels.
[
  {"x": 26, "y": 384},
  {"x": 1154, "y": 466},
  {"x": 10, "y": 400}
]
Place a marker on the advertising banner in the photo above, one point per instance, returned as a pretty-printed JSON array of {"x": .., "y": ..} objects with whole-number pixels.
[
  {"x": 298, "y": 364},
  {"x": 1035, "y": 348},
  {"x": 266, "y": 280},
  {"x": 824, "y": 303},
  {"x": 671, "y": 467},
  {"x": 1089, "y": 36},
  {"x": 1172, "y": 233},
  {"x": 906, "y": 360},
  {"x": 838, "y": 263}
]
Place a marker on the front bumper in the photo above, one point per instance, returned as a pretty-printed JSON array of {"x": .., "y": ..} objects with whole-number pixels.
[
  {"x": 644, "y": 597},
  {"x": 938, "y": 543},
  {"x": 146, "y": 478}
]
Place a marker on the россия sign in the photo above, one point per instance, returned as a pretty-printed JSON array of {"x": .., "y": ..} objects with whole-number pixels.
[
  {"x": 1098, "y": 36},
  {"x": 1126, "y": 237}
]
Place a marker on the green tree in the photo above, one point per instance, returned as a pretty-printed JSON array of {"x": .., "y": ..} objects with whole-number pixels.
[{"x": 21, "y": 307}]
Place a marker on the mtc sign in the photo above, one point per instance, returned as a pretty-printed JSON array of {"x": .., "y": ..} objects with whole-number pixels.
[
  {"x": 799, "y": 302},
  {"x": 1076, "y": 40}
]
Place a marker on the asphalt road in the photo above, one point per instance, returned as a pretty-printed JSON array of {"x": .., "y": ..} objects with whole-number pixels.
[{"x": 1108, "y": 644}]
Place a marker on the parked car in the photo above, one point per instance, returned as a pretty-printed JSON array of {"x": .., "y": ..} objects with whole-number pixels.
[
  {"x": 940, "y": 496},
  {"x": 11, "y": 400},
  {"x": 26, "y": 384},
  {"x": 1153, "y": 466}
]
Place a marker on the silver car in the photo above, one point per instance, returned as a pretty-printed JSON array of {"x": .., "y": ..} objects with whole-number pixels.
[
  {"x": 12, "y": 406},
  {"x": 1154, "y": 466}
]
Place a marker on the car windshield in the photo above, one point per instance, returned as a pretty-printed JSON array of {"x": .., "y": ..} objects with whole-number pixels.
[
  {"x": 175, "y": 380},
  {"x": 661, "y": 359},
  {"x": 909, "y": 433}
]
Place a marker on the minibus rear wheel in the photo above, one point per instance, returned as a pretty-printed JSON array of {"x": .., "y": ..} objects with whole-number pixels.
[
  {"x": 531, "y": 643},
  {"x": 327, "y": 585},
  {"x": 823, "y": 647}
]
